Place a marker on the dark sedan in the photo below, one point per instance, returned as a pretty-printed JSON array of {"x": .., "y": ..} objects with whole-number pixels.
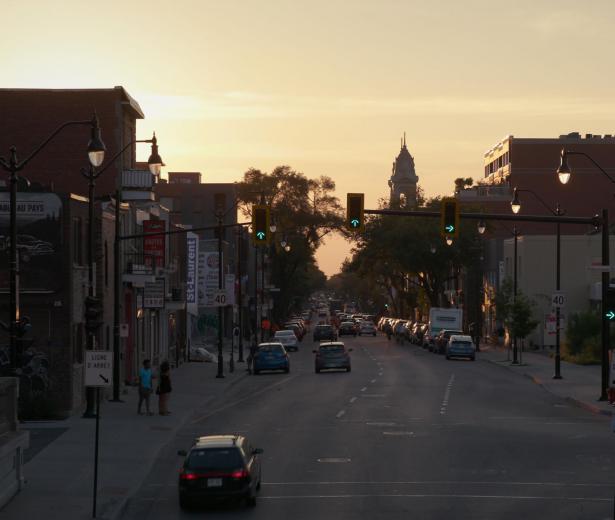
[
  {"x": 324, "y": 332},
  {"x": 219, "y": 468},
  {"x": 347, "y": 328}
]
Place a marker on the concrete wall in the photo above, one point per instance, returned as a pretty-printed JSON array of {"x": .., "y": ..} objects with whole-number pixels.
[{"x": 536, "y": 270}]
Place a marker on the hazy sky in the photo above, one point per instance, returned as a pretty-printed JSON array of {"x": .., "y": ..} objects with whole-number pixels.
[{"x": 330, "y": 86}]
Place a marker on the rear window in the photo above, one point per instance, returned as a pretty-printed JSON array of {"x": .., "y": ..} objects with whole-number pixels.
[
  {"x": 215, "y": 459},
  {"x": 332, "y": 349},
  {"x": 323, "y": 327},
  {"x": 277, "y": 349},
  {"x": 462, "y": 343},
  {"x": 280, "y": 333}
]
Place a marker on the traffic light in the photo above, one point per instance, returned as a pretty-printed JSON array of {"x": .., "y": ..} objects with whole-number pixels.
[
  {"x": 260, "y": 225},
  {"x": 609, "y": 308},
  {"x": 354, "y": 212},
  {"x": 449, "y": 218},
  {"x": 93, "y": 314}
]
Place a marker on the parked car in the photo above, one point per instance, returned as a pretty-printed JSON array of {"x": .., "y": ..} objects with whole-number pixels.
[
  {"x": 299, "y": 332},
  {"x": 332, "y": 354},
  {"x": 347, "y": 328},
  {"x": 324, "y": 332},
  {"x": 288, "y": 339},
  {"x": 442, "y": 338},
  {"x": 367, "y": 327},
  {"x": 460, "y": 346},
  {"x": 219, "y": 468},
  {"x": 271, "y": 356}
]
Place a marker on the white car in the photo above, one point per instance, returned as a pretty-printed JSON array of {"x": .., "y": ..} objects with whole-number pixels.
[{"x": 288, "y": 339}]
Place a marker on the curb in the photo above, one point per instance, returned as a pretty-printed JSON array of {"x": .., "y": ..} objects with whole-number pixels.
[
  {"x": 116, "y": 512},
  {"x": 596, "y": 410}
]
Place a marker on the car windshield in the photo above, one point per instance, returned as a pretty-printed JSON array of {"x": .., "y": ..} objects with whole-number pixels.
[{"x": 214, "y": 459}]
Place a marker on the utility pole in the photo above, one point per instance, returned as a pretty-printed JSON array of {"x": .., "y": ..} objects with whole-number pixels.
[
  {"x": 220, "y": 373},
  {"x": 239, "y": 295}
]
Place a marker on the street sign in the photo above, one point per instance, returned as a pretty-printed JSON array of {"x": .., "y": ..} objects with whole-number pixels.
[
  {"x": 558, "y": 299},
  {"x": 98, "y": 368},
  {"x": 220, "y": 298}
]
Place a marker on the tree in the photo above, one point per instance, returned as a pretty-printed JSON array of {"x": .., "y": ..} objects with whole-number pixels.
[
  {"x": 304, "y": 211},
  {"x": 461, "y": 183},
  {"x": 521, "y": 322}
]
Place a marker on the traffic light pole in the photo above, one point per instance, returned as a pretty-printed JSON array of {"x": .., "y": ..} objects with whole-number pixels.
[
  {"x": 606, "y": 324},
  {"x": 220, "y": 373},
  {"x": 239, "y": 297}
]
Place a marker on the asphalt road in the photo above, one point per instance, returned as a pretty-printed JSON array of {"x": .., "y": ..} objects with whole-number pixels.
[{"x": 406, "y": 434}]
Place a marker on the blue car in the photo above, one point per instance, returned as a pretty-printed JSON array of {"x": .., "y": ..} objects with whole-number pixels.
[
  {"x": 271, "y": 356},
  {"x": 460, "y": 346}
]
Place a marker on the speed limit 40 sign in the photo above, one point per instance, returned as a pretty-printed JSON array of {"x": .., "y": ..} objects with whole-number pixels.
[
  {"x": 220, "y": 298},
  {"x": 558, "y": 299}
]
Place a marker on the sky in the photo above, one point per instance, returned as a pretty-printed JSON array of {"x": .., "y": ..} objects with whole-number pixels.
[{"x": 328, "y": 86}]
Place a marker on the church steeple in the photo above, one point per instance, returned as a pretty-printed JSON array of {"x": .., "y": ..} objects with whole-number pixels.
[{"x": 403, "y": 180}]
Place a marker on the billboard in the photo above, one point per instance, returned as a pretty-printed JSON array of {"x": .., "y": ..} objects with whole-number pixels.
[
  {"x": 39, "y": 240},
  {"x": 208, "y": 278},
  {"x": 153, "y": 247}
]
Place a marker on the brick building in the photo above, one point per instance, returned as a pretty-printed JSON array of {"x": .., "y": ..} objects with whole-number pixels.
[{"x": 29, "y": 115}]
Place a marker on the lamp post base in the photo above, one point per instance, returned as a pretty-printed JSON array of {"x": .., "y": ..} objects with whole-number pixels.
[
  {"x": 219, "y": 376},
  {"x": 557, "y": 376}
]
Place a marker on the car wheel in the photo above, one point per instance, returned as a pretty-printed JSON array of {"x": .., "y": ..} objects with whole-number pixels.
[
  {"x": 473, "y": 358},
  {"x": 317, "y": 370},
  {"x": 256, "y": 372},
  {"x": 448, "y": 357},
  {"x": 348, "y": 369},
  {"x": 374, "y": 334},
  {"x": 251, "y": 501},
  {"x": 287, "y": 370},
  {"x": 258, "y": 486}
]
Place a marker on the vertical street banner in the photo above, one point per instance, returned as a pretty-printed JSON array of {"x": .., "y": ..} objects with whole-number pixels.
[
  {"x": 229, "y": 285},
  {"x": 153, "y": 247},
  {"x": 192, "y": 259},
  {"x": 208, "y": 278}
]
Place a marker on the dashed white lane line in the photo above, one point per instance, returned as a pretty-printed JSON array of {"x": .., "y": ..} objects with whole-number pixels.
[
  {"x": 363, "y": 389},
  {"x": 373, "y": 381},
  {"x": 447, "y": 394},
  {"x": 353, "y": 399},
  {"x": 340, "y": 413}
]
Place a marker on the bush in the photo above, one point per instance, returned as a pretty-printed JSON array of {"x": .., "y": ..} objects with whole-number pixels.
[{"x": 583, "y": 343}]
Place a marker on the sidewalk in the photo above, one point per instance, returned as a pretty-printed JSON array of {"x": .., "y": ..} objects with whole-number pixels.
[
  {"x": 580, "y": 384},
  {"x": 60, "y": 477}
]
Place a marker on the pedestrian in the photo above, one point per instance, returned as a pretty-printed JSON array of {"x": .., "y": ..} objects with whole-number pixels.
[
  {"x": 145, "y": 386},
  {"x": 164, "y": 388}
]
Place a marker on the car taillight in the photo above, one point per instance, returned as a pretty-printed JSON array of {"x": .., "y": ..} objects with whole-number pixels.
[
  {"x": 186, "y": 475},
  {"x": 241, "y": 473}
]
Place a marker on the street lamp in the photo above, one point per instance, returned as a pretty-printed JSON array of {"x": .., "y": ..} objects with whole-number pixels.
[
  {"x": 564, "y": 173},
  {"x": 557, "y": 212},
  {"x": 482, "y": 227},
  {"x": 515, "y": 205},
  {"x": 96, "y": 152}
]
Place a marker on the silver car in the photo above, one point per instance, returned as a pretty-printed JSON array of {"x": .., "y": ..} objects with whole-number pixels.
[{"x": 288, "y": 339}]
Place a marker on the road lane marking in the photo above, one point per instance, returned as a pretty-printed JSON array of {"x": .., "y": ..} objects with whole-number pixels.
[
  {"x": 353, "y": 399},
  {"x": 432, "y": 482},
  {"x": 381, "y": 424},
  {"x": 399, "y": 434},
  {"x": 333, "y": 459},
  {"x": 438, "y": 495},
  {"x": 373, "y": 381},
  {"x": 363, "y": 389},
  {"x": 340, "y": 413},
  {"x": 373, "y": 395},
  {"x": 235, "y": 403},
  {"x": 447, "y": 394}
]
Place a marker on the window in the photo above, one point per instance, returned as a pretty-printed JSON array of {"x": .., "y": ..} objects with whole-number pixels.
[
  {"x": 215, "y": 459},
  {"x": 77, "y": 242}
]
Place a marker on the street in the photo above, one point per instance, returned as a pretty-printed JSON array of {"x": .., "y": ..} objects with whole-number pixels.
[{"x": 406, "y": 434}]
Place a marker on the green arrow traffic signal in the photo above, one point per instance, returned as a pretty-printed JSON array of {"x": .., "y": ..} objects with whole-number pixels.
[
  {"x": 355, "y": 222},
  {"x": 450, "y": 228},
  {"x": 610, "y": 315},
  {"x": 355, "y": 212},
  {"x": 260, "y": 235}
]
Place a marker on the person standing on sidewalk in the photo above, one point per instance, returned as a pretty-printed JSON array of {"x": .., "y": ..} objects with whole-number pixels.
[
  {"x": 145, "y": 386},
  {"x": 164, "y": 388}
]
